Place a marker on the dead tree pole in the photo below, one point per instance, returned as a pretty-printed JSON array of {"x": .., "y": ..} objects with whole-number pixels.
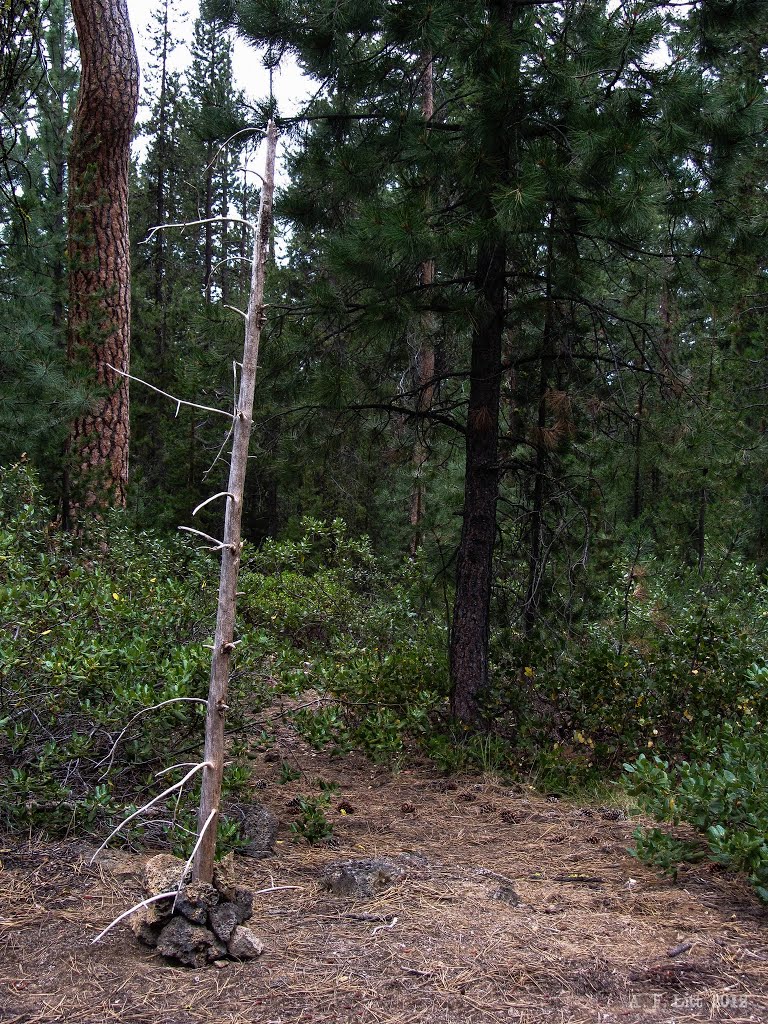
[{"x": 231, "y": 545}]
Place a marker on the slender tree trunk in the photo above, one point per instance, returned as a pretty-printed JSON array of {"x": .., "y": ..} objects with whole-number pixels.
[
  {"x": 224, "y": 232},
  {"x": 470, "y": 634},
  {"x": 99, "y": 256},
  {"x": 469, "y": 655},
  {"x": 637, "y": 477},
  {"x": 57, "y": 114},
  {"x": 208, "y": 214},
  {"x": 210, "y": 796},
  {"x": 242, "y": 271},
  {"x": 701, "y": 517},
  {"x": 535, "y": 555},
  {"x": 701, "y": 528},
  {"x": 424, "y": 360},
  {"x": 192, "y": 455},
  {"x": 160, "y": 189},
  {"x": 536, "y": 546}
]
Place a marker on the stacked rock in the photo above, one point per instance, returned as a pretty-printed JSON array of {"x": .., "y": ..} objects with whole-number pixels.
[{"x": 207, "y": 923}]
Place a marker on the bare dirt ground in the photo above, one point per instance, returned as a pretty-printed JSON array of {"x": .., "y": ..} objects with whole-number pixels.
[{"x": 514, "y": 908}]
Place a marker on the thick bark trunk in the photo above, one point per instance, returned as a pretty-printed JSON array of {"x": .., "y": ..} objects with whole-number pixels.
[
  {"x": 99, "y": 259},
  {"x": 469, "y": 655}
]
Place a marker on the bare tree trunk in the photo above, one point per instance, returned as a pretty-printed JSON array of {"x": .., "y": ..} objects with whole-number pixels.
[
  {"x": 210, "y": 796},
  {"x": 99, "y": 255}
]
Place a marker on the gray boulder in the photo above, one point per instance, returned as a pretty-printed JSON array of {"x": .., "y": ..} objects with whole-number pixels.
[
  {"x": 244, "y": 945},
  {"x": 361, "y": 878},
  {"x": 224, "y": 918},
  {"x": 188, "y": 943},
  {"x": 258, "y": 827}
]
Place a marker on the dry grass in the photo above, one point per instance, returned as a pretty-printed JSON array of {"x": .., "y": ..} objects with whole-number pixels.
[{"x": 513, "y": 909}]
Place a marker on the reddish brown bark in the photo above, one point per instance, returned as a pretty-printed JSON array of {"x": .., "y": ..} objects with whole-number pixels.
[{"x": 99, "y": 262}]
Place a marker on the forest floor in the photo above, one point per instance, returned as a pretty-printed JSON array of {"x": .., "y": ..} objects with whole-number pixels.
[{"x": 514, "y": 908}]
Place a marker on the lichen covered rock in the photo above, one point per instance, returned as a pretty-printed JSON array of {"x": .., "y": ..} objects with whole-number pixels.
[
  {"x": 361, "y": 878},
  {"x": 162, "y": 874}
]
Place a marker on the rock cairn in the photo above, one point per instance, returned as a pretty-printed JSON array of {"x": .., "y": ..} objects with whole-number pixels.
[{"x": 206, "y": 925}]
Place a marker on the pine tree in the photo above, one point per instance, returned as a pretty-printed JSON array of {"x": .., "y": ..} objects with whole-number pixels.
[
  {"x": 560, "y": 173},
  {"x": 184, "y": 338},
  {"x": 38, "y": 397}
]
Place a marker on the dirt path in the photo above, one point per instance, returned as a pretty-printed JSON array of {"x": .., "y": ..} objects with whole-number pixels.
[{"x": 513, "y": 909}]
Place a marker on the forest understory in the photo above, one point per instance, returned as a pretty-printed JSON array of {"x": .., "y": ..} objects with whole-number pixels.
[
  {"x": 492, "y": 595},
  {"x": 513, "y": 907}
]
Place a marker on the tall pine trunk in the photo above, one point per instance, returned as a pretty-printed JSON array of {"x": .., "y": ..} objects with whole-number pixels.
[
  {"x": 469, "y": 655},
  {"x": 99, "y": 255},
  {"x": 207, "y": 216},
  {"x": 161, "y": 189},
  {"x": 470, "y": 634}
]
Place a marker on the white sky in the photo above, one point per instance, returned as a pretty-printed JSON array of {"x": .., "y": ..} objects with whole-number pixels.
[
  {"x": 290, "y": 87},
  {"x": 250, "y": 74}
]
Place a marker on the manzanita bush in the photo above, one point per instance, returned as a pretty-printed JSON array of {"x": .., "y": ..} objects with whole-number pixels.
[{"x": 720, "y": 792}]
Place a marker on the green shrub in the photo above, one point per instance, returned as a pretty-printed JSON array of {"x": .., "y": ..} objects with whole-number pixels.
[
  {"x": 350, "y": 630},
  {"x": 92, "y": 631},
  {"x": 720, "y": 792},
  {"x": 665, "y": 657}
]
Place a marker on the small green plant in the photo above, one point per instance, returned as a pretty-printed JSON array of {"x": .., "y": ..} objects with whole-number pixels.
[
  {"x": 446, "y": 751},
  {"x": 456, "y": 750},
  {"x": 312, "y": 824},
  {"x": 288, "y": 773},
  {"x": 236, "y": 777}
]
